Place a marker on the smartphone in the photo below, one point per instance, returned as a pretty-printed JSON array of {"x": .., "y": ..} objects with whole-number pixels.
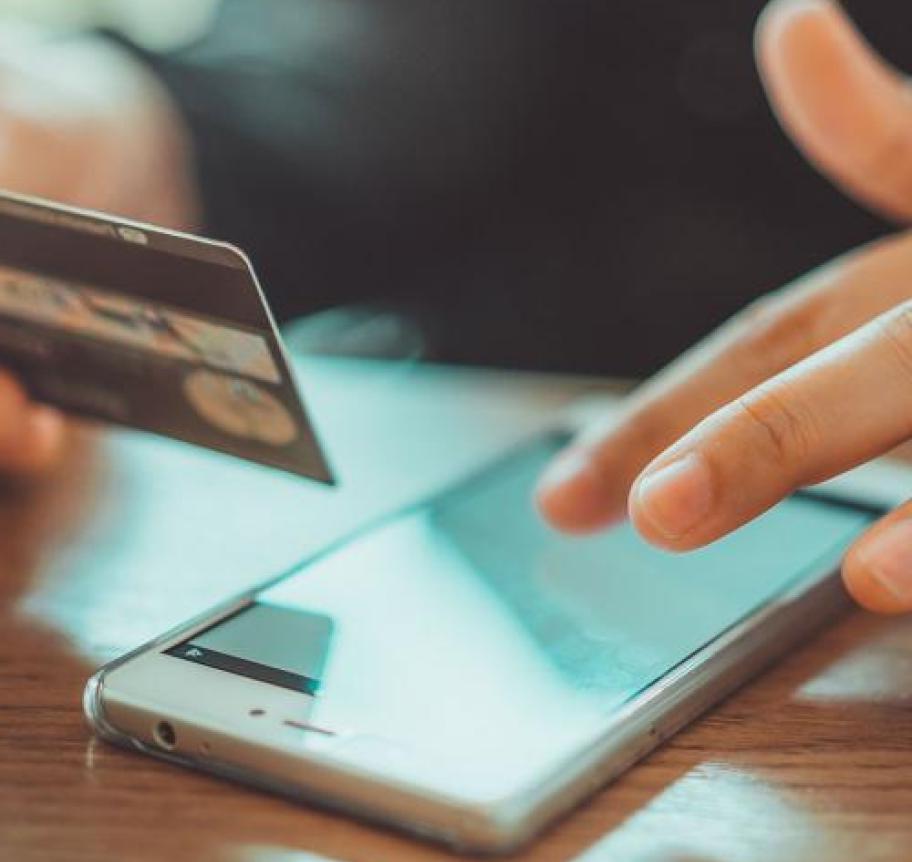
[{"x": 463, "y": 672}]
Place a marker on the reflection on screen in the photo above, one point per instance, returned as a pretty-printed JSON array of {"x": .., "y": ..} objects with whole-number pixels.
[{"x": 487, "y": 647}]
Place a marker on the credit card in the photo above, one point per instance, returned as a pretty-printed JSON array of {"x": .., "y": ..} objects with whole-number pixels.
[{"x": 151, "y": 329}]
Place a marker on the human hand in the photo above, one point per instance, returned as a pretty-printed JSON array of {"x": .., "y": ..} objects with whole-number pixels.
[
  {"x": 31, "y": 435},
  {"x": 83, "y": 123},
  {"x": 804, "y": 384}
]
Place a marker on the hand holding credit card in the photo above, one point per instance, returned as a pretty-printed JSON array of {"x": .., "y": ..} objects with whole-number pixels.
[{"x": 150, "y": 329}]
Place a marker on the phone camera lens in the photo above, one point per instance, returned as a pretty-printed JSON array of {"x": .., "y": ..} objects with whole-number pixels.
[{"x": 165, "y": 735}]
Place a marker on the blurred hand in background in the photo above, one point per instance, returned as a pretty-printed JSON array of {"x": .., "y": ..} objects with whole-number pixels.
[
  {"x": 807, "y": 382},
  {"x": 31, "y": 435},
  {"x": 82, "y": 123}
]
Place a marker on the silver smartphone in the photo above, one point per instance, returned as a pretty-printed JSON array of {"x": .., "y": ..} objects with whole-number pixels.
[{"x": 461, "y": 671}]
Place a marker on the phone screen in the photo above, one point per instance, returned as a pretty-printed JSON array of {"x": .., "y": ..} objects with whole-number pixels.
[{"x": 464, "y": 645}]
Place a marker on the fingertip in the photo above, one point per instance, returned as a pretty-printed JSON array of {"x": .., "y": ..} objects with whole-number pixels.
[
  {"x": 877, "y": 570},
  {"x": 671, "y": 501},
  {"x": 793, "y": 43},
  {"x": 787, "y": 29},
  {"x": 778, "y": 15},
  {"x": 868, "y": 593},
  {"x": 12, "y": 396},
  {"x": 31, "y": 435},
  {"x": 40, "y": 443},
  {"x": 47, "y": 427},
  {"x": 644, "y": 524},
  {"x": 573, "y": 497},
  {"x": 842, "y": 103}
]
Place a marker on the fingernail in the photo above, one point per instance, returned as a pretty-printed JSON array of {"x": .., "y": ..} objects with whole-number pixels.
[
  {"x": 676, "y": 497},
  {"x": 888, "y": 559}
]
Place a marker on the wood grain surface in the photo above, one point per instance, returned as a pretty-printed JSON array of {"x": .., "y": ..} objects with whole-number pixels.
[{"x": 812, "y": 761}]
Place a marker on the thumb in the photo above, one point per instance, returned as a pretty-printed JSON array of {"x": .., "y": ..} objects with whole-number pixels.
[{"x": 848, "y": 111}]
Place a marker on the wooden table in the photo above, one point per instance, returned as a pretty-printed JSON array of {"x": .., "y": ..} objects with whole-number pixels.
[{"x": 811, "y": 762}]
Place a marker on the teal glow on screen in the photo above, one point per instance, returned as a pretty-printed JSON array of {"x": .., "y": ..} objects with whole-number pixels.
[{"x": 487, "y": 647}]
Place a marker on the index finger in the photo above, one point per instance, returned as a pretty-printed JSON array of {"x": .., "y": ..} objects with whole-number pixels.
[
  {"x": 586, "y": 488},
  {"x": 834, "y": 410}
]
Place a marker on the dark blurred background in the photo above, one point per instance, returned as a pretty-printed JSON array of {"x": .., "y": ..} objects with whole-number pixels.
[{"x": 568, "y": 185}]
